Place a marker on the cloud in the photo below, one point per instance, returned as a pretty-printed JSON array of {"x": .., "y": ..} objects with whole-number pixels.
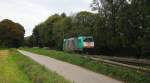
[{"x": 31, "y": 12}]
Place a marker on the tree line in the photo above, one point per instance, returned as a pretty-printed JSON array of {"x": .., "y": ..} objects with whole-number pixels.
[
  {"x": 120, "y": 27},
  {"x": 11, "y": 34}
]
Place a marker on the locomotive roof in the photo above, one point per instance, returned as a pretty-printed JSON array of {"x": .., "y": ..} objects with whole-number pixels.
[{"x": 72, "y": 38}]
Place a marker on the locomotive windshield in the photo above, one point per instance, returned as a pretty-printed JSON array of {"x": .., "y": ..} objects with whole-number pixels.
[{"x": 88, "y": 40}]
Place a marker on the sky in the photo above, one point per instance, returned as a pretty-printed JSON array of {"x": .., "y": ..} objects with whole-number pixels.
[{"x": 29, "y": 13}]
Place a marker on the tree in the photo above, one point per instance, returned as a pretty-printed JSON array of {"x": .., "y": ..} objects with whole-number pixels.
[
  {"x": 12, "y": 34},
  {"x": 28, "y": 41},
  {"x": 83, "y": 23},
  {"x": 126, "y": 24},
  {"x": 120, "y": 27}
]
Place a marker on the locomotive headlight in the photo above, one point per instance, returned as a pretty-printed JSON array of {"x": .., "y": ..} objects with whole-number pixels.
[{"x": 89, "y": 44}]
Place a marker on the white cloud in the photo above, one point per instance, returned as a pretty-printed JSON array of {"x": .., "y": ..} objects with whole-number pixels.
[{"x": 31, "y": 12}]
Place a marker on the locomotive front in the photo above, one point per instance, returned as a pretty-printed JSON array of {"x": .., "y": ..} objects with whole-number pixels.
[{"x": 88, "y": 42}]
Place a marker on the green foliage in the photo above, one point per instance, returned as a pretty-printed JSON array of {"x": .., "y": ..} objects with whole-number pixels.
[
  {"x": 9, "y": 71},
  {"x": 127, "y": 26},
  {"x": 28, "y": 41},
  {"x": 11, "y": 34},
  {"x": 36, "y": 72},
  {"x": 124, "y": 74},
  {"x": 57, "y": 27},
  {"x": 120, "y": 28}
]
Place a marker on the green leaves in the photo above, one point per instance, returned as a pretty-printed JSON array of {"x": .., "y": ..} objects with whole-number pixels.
[
  {"x": 11, "y": 34},
  {"x": 119, "y": 28}
]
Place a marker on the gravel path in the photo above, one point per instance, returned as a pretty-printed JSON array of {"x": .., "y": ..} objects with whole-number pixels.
[{"x": 71, "y": 72}]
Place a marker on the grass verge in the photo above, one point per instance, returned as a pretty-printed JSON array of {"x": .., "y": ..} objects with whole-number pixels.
[
  {"x": 36, "y": 72},
  {"x": 120, "y": 73},
  {"x": 9, "y": 71}
]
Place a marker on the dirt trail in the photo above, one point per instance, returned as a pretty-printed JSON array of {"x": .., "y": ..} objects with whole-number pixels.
[{"x": 71, "y": 72}]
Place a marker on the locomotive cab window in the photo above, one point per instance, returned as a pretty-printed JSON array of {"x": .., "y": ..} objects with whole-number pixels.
[{"x": 88, "y": 40}]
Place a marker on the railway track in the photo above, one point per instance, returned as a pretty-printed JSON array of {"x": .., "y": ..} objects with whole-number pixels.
[
  {"x": 142, "y": 65},
  {"x": 132, "y": 61}
]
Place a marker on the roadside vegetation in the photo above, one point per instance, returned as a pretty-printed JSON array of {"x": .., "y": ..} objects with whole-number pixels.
[
  {"x": 120, "y": 73},
  {"x": 9, "y": 70},
  {"x": 35, "y": 72},
  {"x": 17, "y": 68}
]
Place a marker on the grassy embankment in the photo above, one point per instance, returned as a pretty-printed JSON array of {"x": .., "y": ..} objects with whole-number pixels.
[
  {"x": 120, "y": 73},
  {"x": 16, "y": 68}
]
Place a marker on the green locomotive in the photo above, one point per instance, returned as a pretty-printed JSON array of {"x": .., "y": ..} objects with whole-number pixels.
[{"x": 82, "y": 43}]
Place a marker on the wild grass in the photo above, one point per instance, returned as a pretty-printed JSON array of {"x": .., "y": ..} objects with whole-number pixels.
[
  {"x": 9, "y": 71},
  {"x": 120, "y": 73},
  {"x": 36, "y": 72},
  {"x": 3, "y": 48}
]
